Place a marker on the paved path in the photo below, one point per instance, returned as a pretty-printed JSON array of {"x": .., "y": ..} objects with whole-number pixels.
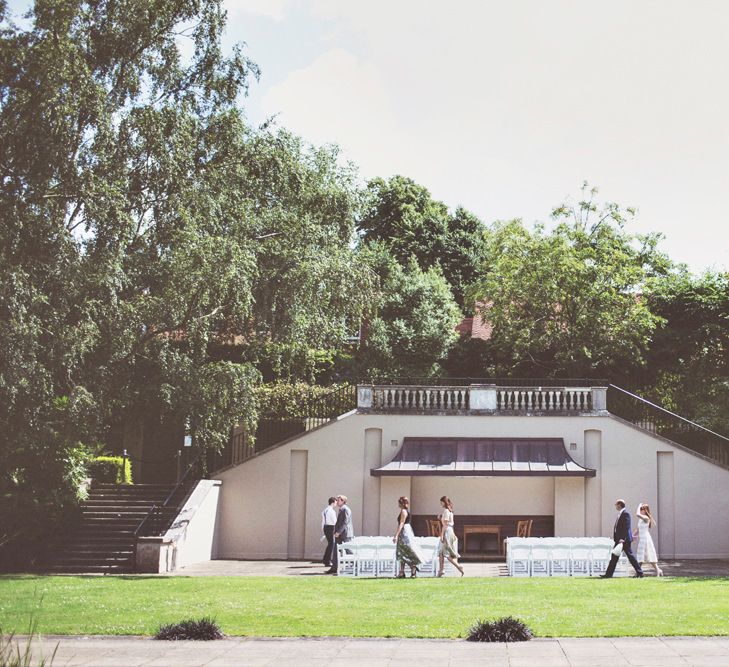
[
  {"x": 280, "y": 568},
  {"x": 145, "y": 652}
]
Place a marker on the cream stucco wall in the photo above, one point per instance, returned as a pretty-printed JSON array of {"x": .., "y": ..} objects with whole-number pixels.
[{"x": 254, "y": 502}]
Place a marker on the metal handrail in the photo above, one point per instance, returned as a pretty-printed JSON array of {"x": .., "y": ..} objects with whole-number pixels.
[
  {"x": 656, "y": 419},
  {"x": 668, "y": 412},
  {"x": 157, "y": 509}
]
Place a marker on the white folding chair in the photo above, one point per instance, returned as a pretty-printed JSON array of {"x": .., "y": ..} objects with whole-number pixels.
[
  {"x": 600, "y": 555},
  {"x": 559, "y": 560},
  {"x": 367, "y": 558},
  {"x": 386, "y": 559},
  {"x": 580, "y": 560},
  {"x": 347, "y": 555},
  {"x": 520, "y": 560},
  {"x": 429, "y": 548},
  {"x": 540, "y": 560}
]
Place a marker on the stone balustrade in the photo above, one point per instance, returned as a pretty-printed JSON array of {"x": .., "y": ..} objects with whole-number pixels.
[{"x": 480, "y": 399}]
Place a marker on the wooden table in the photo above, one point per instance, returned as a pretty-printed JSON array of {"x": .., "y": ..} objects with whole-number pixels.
[{"x": 493, "y": 529}]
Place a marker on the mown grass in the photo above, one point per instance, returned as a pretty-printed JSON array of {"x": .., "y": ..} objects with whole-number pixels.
[{"x": 303, "y": 606}]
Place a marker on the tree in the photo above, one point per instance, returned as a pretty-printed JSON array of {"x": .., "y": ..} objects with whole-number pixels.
[
  {"x": 404, "y": 216},
  {"x": 569, "y": 301},
  {"x": 310, "y": 288},
  {"x": 413, "y": 323},
  {"x": 687, "y": 368},
  {"x": 143, "y": 221}
]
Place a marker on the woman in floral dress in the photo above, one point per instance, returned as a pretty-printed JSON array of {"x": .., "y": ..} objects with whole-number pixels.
[{"x": 407, "y": 551}]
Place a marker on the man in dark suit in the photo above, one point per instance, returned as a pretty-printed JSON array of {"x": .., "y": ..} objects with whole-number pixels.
[
  {"x": 343, "y": 530},
  {"x": 622, "y": 533}
]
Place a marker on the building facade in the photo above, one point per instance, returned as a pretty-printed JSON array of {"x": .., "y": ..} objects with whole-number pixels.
[{"x": 554, "y": 455}]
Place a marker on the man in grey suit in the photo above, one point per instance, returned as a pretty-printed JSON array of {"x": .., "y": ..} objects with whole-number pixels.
[{"x": 343, "y": 529}]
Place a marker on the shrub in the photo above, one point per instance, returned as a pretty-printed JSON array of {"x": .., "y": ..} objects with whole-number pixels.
[
  {"x": 111, "y": 469},
  {"x": 501, "y": 630},
  {"x": 286, "y": 400},
  {"x": 203, "y": 629}
]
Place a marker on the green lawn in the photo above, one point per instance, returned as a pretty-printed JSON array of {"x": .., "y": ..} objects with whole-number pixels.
[{"x": 319, "y": 606}]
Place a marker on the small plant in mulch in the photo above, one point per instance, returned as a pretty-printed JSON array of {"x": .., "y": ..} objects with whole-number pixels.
[
  {"x": 202, "y": 629},
  {"x": 501, "y": 630}
]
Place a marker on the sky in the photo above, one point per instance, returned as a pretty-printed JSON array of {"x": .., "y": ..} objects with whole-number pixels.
[{"x": 506, "y": 108}]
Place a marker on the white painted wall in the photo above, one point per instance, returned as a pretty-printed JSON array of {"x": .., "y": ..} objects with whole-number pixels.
[
  {"x": 484, "y": 495},
  {"x": 193, "y": 532},
  {"x": 255, "y": 495}
]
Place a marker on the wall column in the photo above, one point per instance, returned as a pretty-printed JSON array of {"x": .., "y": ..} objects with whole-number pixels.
[
  {"x": 569, "y": 506},
  {"x": 666, "y": 515},
  {"x": 371, "y": 484},
  {"x": 297, "y": 502},
  {"x": 593, "y": 485}
]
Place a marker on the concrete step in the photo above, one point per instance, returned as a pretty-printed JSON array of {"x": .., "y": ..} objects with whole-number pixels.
[
  {"x": 110, "y": 502},
  {"x": 114, "y": 515}
]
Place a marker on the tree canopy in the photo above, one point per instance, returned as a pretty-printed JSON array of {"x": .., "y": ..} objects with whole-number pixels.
[
  {"x": 144, "y": 221},
  {"x": 412, "y": 225},
  {"x": 568, "y": 301}
]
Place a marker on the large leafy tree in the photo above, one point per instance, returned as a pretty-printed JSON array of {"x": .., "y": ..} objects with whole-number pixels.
[
  {"x": 567, "y": 301},
  {"x": 310, "y": 287},
  {"x": 143, "y": 220},
  {"x": 688, "y": 359},
  {"x": 403, "y": 215},
  {"x": 412, "y": 323}
]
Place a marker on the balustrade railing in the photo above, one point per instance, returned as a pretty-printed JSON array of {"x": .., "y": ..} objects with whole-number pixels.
[
  {"x": 420, "y": 399},
  {"x": 480, "y": 399},
  {"x": 544, "y": 399}
]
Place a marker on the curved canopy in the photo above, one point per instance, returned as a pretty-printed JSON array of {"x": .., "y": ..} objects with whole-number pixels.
[{"x": 469, "y": 457}]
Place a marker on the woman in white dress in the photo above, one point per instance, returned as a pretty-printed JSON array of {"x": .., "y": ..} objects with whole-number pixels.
[
  {"x": 646, "y": 552},
  {"x": 448, "y": 545}
]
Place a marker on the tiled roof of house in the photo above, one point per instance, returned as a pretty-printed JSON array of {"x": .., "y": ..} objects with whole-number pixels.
[{"x": 477, "y": 326}]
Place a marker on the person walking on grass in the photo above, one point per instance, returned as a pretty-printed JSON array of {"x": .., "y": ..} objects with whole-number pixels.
[
  {"x": 448, "y": 545},
  {"x": 407, "y": 551},
  {"x": 328, "y": 519},
  {"x": 622, "y": 535},
  {"x": 646, "y": 551},
  {"x": 343, "y": 530}
]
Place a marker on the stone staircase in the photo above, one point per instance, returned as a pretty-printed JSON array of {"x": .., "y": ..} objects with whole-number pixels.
[{"x": 103, "y": 540}]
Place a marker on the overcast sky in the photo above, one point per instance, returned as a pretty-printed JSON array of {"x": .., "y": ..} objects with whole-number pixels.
[{"x": 506, "y": 107}]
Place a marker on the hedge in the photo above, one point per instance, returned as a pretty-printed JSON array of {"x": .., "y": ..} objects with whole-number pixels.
[{"x": 111, "y": 469}]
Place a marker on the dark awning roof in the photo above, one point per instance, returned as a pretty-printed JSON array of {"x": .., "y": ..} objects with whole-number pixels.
[{"x": 468, "y": 457}]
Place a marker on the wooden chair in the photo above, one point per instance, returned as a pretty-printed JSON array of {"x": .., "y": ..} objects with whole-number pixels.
[
  {"x": 433, "y": 527},
  {"x": 524, "y": 528}
]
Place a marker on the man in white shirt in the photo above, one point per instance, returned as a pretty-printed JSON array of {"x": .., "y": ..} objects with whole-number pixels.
[{"x": 328, "y": 519}]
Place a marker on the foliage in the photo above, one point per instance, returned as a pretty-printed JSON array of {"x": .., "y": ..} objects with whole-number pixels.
[
  {"x": 568, "y": 301},
  {"x": 321, "y": 607},
  {"x": 203, "y": 629},
  {"x": 470, "y": 357},
  {"x": 413, "y": 322},
  {"x": 40, "y": 485},
  {"x": 688, "y": 360},
  {"x": 404, "y": 217},
  {"x": 111, "y": 469},
  {"x": 285, "y": 399},
  {"x": 506, "y": 629},
  {"x": 144, "y": 224},
  {"x": 13, "y": 654}
]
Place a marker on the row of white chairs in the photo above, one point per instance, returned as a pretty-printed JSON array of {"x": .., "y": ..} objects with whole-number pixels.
[
  {"x": 560, "y": 556},
  {"x": 377, "y": 557}
]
